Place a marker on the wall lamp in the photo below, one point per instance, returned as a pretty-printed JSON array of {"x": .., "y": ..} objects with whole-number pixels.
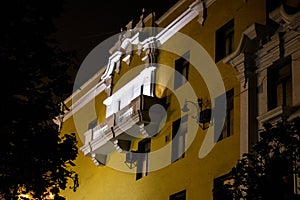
[{"x": 203, "y": 113}]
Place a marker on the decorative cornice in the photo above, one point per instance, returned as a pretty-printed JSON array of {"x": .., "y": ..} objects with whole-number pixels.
[
  {"x": 149, "y": 45},
  {"x": 242, "y": 59},
  {"x": 269, "y": 53},
  {"x": 292, "y": 42},
  {"x": 249, "y": 34},
  {"x": 285, "y": 20},
  {"x": 187, "y": 16},
  {"x": 113, "y": 61},
  {"x": 88, "y": 82},
  {"x": 91, "y": 94},
  {"x": 170, "y": 11},
  {"x": 126, "y": 41},
  {"x": 275, "y": 114},
  {"x": 203, "y": 12},
  {"x": 206, "y": 4}
]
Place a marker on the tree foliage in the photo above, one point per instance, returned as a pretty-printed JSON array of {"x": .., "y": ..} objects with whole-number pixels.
[
  {"x": 268, "y": 171},
  {"x": 34, "y": 155}
]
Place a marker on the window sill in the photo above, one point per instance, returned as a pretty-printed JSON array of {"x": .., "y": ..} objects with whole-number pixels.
[{"x": 275, "y": 115}]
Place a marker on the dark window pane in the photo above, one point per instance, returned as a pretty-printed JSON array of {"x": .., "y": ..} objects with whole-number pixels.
[
  {"x": 280, "y": 85},
  {"x": 142, "y": 158},
  {"x": 224, "y": 40},
  {"x": 219, "y": 191},
  {"x": 178, "y": 196},
  {"x": 227, "y": 129},
  {"x": 182, "y": 70},
  {"x": 178, "y": 138}
]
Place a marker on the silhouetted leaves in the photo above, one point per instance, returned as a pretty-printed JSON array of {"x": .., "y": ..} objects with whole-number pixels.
[
  {"x": 34, "y": 155},
  {"x": 268, "y": 171}
]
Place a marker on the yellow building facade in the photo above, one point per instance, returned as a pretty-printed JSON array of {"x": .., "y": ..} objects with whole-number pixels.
[{"x": 167, "y": 116}]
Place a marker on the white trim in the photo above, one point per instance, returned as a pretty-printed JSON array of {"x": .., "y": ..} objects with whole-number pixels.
[
  {"x": 96, "y": 75},
  {"x": 123, "y": 96},
  {"x": 135, "y": 39},
  {"x": 148, "y": 17},
  {"x": 126, "y": 59},
  {"x": 91, "y": 94},
  {"x": 113, "y": 59},
  {"x": 146, "y": 42},
  {"x": 170, "y": 11},
  {"x": 179, "y": 22},
  {"x": 187, "y": 16},
  {"x": 116, "y": 56},
  {"x": 177, "y": 5},
  {"x": 194, "y": 9}
]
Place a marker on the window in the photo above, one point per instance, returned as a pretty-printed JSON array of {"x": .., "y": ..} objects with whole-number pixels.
[
  {"x": 227, "y": 129},
  {"x": 219, "y": 189},
  {"x": 182, "y": 70},
  {"x": 178, "y": 196},
  {"x": 178, "y": 138},
  {"x": 280, "y": 85},
  {"x": 224, "y": 40},
  {"x": 142, "y": 158}
]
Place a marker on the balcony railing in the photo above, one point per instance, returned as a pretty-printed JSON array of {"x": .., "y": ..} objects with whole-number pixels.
[
  {"x": 139, "y": 119},
  {"x": 96, "y": 139}
]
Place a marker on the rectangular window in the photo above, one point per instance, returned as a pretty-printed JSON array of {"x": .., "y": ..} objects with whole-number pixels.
[
  {"x": 219, "y": 189},
  {"x": 179, "y": 131},
  {"x": 224, "y": 40},
  {"x": 227, "y": 129},
  {"x": 181, "y": 70},
  {"x": 280, "y": 86},
  {"x": 178, "y": 196},
  {"x": 142, "y": 158}
]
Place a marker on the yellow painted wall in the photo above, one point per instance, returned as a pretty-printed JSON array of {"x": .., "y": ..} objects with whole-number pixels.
[{"x": 190, "y": 173}]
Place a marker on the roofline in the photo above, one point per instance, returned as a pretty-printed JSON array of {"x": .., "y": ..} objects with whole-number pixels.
[
  {"x": 170, "y": 11},
  {"x": 84, "y": 85}
]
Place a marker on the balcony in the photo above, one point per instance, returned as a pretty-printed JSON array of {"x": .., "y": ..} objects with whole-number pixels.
[
  {"x": 97, "y": 141},
  {"x": 139, "y": 119}
]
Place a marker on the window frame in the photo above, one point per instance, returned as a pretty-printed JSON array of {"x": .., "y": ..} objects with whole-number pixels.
[
  {"x": 224, "y": 41},
  {"x": 274, "y": 81},
  {"x": 226, "y": 121},
  {"x": 178, "y": 196},
  {"x": 218, "y": 182},
  {"x": 179, "y": 131},
  {"x": 142, "y": 165},
  {"x": 181, "y": 75}
]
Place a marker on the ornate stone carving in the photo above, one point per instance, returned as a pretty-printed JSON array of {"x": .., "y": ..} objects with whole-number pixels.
[
  {"x": 108, "y": 83},
  {"x": 117, "y": 45},
  {"x": 203, "y": 12},
  {"x": 151, "y": 51},
  {"x": 140, "y": 25}
]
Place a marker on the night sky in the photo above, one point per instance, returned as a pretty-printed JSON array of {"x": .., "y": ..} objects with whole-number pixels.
[{"x": 85, "y": 23}]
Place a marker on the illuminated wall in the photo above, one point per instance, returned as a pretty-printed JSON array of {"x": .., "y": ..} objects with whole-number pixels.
[{"x": 205, "y": 157}]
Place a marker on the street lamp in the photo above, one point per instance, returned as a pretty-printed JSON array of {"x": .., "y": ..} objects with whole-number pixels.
[{"x": 203, "y": 114}]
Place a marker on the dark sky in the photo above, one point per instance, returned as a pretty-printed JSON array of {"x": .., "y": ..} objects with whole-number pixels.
[{"x": 85, "y": 23}]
